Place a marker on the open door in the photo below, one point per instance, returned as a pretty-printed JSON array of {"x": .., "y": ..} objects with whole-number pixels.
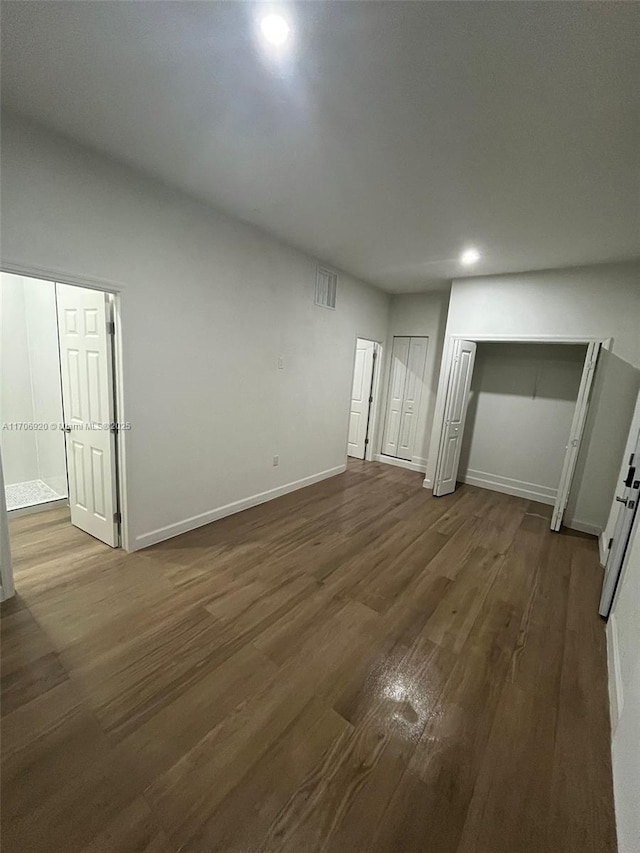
[
  {"x": 628, "y": 499},
  {"x": 575, "y": 435},
  {"x": 87, "y": 402},
  {"x": 361, "y": 398},
  {"x": 455, "y": 413}
]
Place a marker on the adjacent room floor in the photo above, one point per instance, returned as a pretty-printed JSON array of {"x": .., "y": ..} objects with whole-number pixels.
[{"x": 357, "y": 666}]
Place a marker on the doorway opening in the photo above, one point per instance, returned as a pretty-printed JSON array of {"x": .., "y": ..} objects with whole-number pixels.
[
  {"x": 364, "y": 396},
  {"x": 59, "y": 432},
  {"x": 513, "y": 416}
]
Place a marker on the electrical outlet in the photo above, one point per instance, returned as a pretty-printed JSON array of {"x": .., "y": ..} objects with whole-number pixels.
[{"x": 276, "y": 461}]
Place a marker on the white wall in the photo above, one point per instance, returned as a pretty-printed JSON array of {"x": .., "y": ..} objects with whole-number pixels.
[
  {"x": 44, "y": 361},
  {"x": 599, "y": 301},
  {"x": 418, "y": 315},
  {"x": 623, "y": 639},
  {"x": 19, "y": 449},
  {"x": 519, "y": 418},
  {"x": 30, "y": 382},
  {"x": 208, "y": 306}
]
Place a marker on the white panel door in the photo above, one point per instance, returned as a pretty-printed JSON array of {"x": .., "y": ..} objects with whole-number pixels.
[
  {"x": 455, "y": 413},
  {"x": 87, "y": 401},
  {"x": 412, "y": 393},
  {"x": 360, "y": 396},
  {"x": 628, "y": 497},
  {"x": 575, "y": 435},
  {"x": 397, "y": 379}
]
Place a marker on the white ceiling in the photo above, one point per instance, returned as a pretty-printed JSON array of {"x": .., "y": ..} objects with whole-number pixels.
[{"x": 390, "y": 137}]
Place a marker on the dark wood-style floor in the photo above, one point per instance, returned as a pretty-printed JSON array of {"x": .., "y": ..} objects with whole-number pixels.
[{"x": 357, "y": 666}]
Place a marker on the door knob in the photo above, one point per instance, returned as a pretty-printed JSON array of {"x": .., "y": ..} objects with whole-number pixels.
[{"x": 624, "y": 501}]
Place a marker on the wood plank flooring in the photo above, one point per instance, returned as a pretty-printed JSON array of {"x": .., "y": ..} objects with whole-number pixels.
[{"x": 357, "y": 666}]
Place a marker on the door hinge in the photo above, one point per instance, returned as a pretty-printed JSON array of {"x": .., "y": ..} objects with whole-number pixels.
[
  {"x": 371, "y": 399},
  {"x": 610, "y": 544},
  {"x": 117, "y": 518},
  {"x": 366, "y": 441},
  {"x": 111, "y": 327},
  {"x": 375, "y": 355}
]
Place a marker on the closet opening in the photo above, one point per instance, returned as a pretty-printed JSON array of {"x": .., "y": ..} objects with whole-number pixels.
[{"x": 514, "y": 415}]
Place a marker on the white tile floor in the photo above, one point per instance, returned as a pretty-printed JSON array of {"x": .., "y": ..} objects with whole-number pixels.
[{"x": 30, "y": 493}]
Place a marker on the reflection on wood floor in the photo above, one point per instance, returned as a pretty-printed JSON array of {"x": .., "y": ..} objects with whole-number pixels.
[{"x": 357, "y": 666}]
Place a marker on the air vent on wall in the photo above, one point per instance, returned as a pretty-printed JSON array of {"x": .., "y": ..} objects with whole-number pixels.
[{"x": 326, "y": 287}]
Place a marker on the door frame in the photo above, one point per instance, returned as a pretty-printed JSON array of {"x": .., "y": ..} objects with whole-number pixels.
[
  {"x": 438, "y": 431},
  {"x": 372, "y": 432},
  {"x": 115, "y": 289}
]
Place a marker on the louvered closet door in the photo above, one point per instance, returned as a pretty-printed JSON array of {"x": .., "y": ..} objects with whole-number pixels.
[
  {"x": 395, "y": 398},
  {"x": 417, "y": 358},
  {"x": 87, "y": 399}
]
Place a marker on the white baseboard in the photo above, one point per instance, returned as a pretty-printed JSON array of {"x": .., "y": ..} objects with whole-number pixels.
[
  {"x": 582, "y": 526},
  {"x": 416, "y": 464},
  {"x": 510, "y": 486},
  {"x": 616, "y": 694},
  {"x": 171, "y": 530},
  {"x": 603, "y": 546}
]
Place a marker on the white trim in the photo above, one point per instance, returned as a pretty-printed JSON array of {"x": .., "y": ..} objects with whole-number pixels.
[
  {"x": 7, "y": 588},
  {"x": 603, "y": 547},
  {"x": 530, "y": 339},
  {"x": 616, "y": 690},
  {"x": 54, "y": 276},
  {"x": 416, "y": 464},
  {"x": 510, "y": 486},
  {"x": 203, "y": 518}
]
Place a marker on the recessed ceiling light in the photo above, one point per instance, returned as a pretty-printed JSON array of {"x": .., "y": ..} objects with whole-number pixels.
[
  {"x": 274, "y": 29},
  {"x": 469, "y": 257}
]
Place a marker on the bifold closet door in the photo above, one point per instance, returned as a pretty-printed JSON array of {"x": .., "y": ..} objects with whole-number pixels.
[
  {"x": 408, "y": 359},
  {"x": 575, "y": 436},
  {"x": 455, "y": 413},
  {"x": 87, "y": 403},
  {"x": 414, "y": 379}
]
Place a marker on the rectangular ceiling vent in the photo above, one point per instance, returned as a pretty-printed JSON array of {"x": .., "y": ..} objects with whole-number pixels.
[{"x": 326, "y": 287}]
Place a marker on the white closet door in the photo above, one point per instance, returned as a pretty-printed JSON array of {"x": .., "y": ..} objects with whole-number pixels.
[
  {"x": 360, "y": 393},
  {"x": 397, "y": 379},
  {"x": 87, "y": 399},
  {"x": 575, "y": 436},
  {"x": 412, "y": 393},
  {"x": 457, "y": 401}
]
